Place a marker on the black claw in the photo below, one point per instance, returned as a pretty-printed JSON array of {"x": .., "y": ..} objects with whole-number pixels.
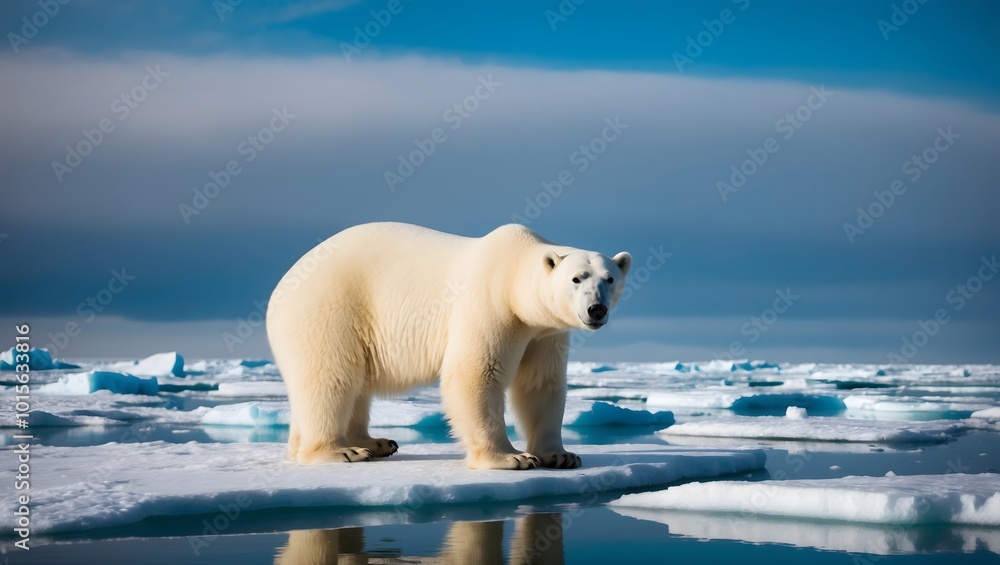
[
  {"x": 346, "y": 458},
  {"x": 394, "y": 444}
]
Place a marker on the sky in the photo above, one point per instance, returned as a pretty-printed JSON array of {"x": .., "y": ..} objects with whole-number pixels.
[{"x": 795, "y": 181}]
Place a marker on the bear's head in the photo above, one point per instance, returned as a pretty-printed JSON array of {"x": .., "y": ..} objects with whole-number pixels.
[{"x": 586, "y": 286}]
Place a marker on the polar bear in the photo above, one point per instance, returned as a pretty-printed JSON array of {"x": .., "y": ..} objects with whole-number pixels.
[{"x": 381, "y": 308}]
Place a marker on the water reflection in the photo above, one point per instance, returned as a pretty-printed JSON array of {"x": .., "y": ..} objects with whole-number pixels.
[{"x": 537, "y": 538}]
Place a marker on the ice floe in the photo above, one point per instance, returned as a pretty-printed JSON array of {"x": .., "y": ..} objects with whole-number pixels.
[
  {"x": 912, "y": 499},
  {"x": 39, "y": 359},
  {"x": 251, "y": 388},
  {"x": 116, "y": 484},
  {"x": 868, "y": 539},
  {"x": 747, "y": 401},
  {"x": 160, "y": 364},
  {"x": 818, "y": 429},
  {"x": 93, "y": 381}
]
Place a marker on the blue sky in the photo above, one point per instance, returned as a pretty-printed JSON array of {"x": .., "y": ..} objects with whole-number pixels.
[{"x": 840, "y": 105}]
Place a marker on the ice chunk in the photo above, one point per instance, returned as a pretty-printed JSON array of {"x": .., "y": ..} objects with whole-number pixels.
[
  {"x": 753, "y": 366},
  {"x": 39, "y": 359},
  {"x": 818, "y": 429},
  {"x": 157, "y": 365},
  {"x": 607, "y": 414},
  {"x": 747, "y": 402},
  {"x": 93, "y": 381},
  {"x": 989, "y": 413},
  {"x": 254, "y": 363},
  {"x": 911, "y": 499},
  {"x": 251, "y": 414},
  {"x": 251, "y": 388},
  {"x": 796, "y": 413},
  {"x": 80, "y": 488},
  {"x": 941, "y": 406}
]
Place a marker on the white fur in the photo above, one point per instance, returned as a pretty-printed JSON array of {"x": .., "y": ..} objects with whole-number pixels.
[{"x": 380, "y": 308}]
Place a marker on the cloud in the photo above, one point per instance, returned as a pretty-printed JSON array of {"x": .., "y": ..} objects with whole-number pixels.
[
  {"x": 289, "y": 12},
  {"x": 656, "y": 184},
  {"x": 354, "y": 121}
]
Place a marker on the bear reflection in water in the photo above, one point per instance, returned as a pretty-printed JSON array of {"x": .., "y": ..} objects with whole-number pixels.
[{"x": 538, "y": 538}]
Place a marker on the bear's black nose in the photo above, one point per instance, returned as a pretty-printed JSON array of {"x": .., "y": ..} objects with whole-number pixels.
[{"x": 597, "y": 311}]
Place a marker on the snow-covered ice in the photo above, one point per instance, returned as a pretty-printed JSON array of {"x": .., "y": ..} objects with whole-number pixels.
[
  {"x": 39, "y": 359},
  {"x": 941, "y": 405},
  {"x": 872, "y": 539},
  {"x": 93, "y": 381},
  {"x": 251, "y": 388},
  {"x": 748, "y": 400},
  {"x": 80, "y": 488},
  {"x": 160, "y": 364},
  {"x": 989, "y": 413},
  {"x": 913, "y": 499},
  {"x": 817, "y": 429}
]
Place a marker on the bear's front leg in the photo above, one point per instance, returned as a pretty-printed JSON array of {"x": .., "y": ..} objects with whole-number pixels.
[
  {"x": 539, "y": 398},
  {"x": 472, "y": 388}
]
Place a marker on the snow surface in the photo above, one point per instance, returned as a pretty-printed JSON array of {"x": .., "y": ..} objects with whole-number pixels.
[
  {"x": 81, "y": 488},
  {"x": 748, "y": 400},
  {"x": 989, "y": 413},
  {"x": 796, "y": 413},
  {"x": 932, "y": 404},
  {"x": 86, "y": 383},
  {"x": 818, "y": 429},
  {"x": 853, "y": 538},
  {"x": 912, "y": 499}
]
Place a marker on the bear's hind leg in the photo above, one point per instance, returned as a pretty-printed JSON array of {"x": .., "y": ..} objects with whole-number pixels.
[
  {"x": 294, "y": 438},
  {"x": 357, "y": 430},
  {"x": 323, "y": 417}
]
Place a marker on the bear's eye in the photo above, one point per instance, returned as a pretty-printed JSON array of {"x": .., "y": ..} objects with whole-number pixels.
[
  {"x": 576, "y": 280},
  {"x": 611, "y": 280}
]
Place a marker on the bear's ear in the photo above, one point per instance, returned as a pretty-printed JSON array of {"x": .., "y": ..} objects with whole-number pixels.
[
  {"x": 624, "y": 261},
  {"x": 552, "y": 259}
]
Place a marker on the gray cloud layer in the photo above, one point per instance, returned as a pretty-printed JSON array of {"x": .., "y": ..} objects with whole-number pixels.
[{"x": 654, "y": 185}]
